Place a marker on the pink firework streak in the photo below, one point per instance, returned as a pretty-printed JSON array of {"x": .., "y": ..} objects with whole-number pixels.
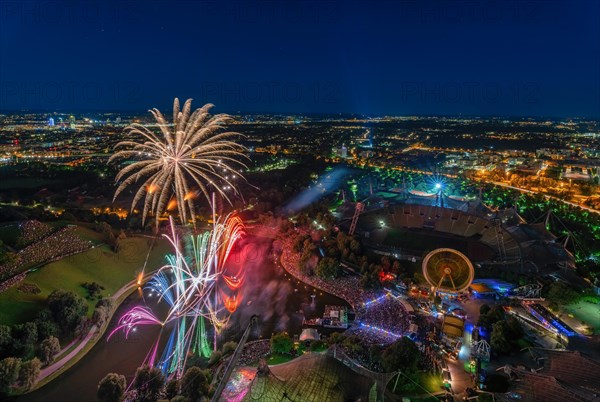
[{"x": 134, "y": 317}]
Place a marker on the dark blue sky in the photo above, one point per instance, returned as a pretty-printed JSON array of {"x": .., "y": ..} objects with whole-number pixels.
[{"x": 405, "y": 57}]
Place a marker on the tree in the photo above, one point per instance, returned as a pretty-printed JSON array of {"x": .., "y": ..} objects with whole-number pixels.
[
  {"x": 9, "y": 373},
  {"x": 49, "y": 348},
  {"x": 111, "y": 388},
  {"x": 106, "y": 302},
  {"x": 148, "y": 382},
  {"x": 6, "y": 341},
  {"x": 172, "y": 388},
  {"x": 370, "y": 276},
  {"x": 401, "y": 355},
  {"x": 298, "y": 244},
  {"x": 26, "y": 333},
  {"x": 229, "y": 347},
  {"x": 308, "y": 251},
  {"x": 215, "y": 357},
  {"x": 194, "y": 384},
  {"x": 29, "y": 372},
  {"x": 100, "y": 316},
  {"x": 317, "y": 345},
  {"x": 484, "y": 309},
  {"x": 46, "y": 327},
  {"x": 498, "y": 339},
  {"x": 562, "y": 294},
  {"x": 67, "y": 309},
  {"x": 327, "y": 268},
  {"x": 514, "y": 329},
  {"x": 281, "y": 343},
  {"x": 94, "y": 290},
  {"x": 375, "y": 354},
  {"x": 494, "y": 315},
  {"x": 335, "y": 338},
  {"x": 25, "y": 337},
  {"x": 107, "y": 233},
  {"x": 353, "y": 343}
]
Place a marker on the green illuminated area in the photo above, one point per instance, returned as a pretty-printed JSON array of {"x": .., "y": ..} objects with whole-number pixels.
[{"x": 587, "y": 313}]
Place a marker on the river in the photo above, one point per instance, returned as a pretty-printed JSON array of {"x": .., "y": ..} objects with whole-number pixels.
[{"x": 279, "y": 300}]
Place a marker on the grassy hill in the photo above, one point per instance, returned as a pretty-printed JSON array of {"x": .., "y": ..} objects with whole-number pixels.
[{"x": 100, "y": 264}]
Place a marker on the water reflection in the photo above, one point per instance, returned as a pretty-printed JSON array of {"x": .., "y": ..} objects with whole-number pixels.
[{"x": 281, "y": 302}]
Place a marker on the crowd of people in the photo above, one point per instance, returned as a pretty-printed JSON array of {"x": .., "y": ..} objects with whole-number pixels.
[
  {"x": 345, "y": 287},
  {"x": 12, "y": 281},
  {"x": 383, "y": 321},
  {"x": 32, "y": 231},
  {"x": 60, "y": 244},
  {"x": 361, "y": 356},
  {"x": 254, "y": 351}
]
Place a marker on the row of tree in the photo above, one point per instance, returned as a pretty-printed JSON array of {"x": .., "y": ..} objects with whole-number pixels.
[
  {"x": 31, "y": 344},
  {"x": 150, "y": 383},
  {"x": 13, "y": 372},
  {"x": 506, "y": 331}
]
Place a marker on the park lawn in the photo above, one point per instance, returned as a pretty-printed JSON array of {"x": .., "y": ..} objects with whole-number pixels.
[
  {"x": 100, "y": 264},
  {"x": 84, "y": 233},
  {"x": 88, "y": 234},
  {"x": 278, "y": 358},
  {"x": 428, "y": 381},
  {"x": 587, "y": 312},
  {"x": 431, "y": 382}
]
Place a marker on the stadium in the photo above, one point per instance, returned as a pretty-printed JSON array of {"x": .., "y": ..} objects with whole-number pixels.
[{"x": 408, "y": 224}]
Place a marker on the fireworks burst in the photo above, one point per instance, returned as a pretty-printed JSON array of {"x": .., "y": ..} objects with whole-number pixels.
[
  {"x": 192, "y": 155},
  {"x": 197, "y": 288}
]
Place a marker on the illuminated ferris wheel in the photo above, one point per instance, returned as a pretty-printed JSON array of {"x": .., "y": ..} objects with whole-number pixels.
[{"x": 448, "y": 270}]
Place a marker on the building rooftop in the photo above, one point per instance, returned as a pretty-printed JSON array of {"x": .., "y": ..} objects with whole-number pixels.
[{"x": 310, "y": 378}]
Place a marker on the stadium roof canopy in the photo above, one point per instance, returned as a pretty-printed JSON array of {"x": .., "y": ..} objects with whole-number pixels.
[{"x": 562, "y": 375}]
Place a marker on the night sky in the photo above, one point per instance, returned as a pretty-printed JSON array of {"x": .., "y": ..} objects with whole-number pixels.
[{"x": 522, "y": 58}]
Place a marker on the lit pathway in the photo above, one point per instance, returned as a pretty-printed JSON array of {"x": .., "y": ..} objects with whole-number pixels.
[
  {"x": 48, "y": 370},
  {"x": 460, "y": 378},
  {"x": 51, "y": 369}
]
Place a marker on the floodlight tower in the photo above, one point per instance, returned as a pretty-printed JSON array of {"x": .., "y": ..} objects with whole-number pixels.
[{"x": 439, "y": 192}]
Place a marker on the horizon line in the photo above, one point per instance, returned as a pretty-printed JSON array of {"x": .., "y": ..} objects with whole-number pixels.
[{"x": 138, "y": 112}]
